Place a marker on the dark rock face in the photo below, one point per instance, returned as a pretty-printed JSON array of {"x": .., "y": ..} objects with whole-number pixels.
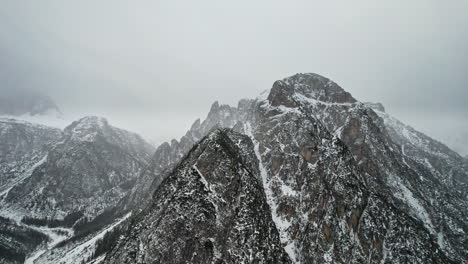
[
  {"x": 317, "y": 87},
  {"x": 326, "y": 209},
  {"x": 88, "y": 170},
  {"x": 168, "y": 155},
  {"x": 409, "y": 168},
  {"x": 210, "y": 209},
  {"x": 280, "y": 94},
  {"x": 339, "y": 179}
]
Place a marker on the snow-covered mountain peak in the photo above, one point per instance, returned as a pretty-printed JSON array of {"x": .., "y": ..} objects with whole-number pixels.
[
  {"x": 307, "y": 86},
  {"x": 86, "y": 128},
  {"x": 89, "y": 167},
  {"x": 88, "y": 122},
  {"x": 98, "y": 129},
  {"x": 29, "y": 103},
  {"x": 33, "y": 107}
]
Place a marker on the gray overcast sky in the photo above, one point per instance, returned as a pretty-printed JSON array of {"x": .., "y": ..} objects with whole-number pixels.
[{"x": 155, "y": 66}]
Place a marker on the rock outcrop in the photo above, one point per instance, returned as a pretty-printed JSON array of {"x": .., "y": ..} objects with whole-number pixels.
[{"x": 210, "y": 209}]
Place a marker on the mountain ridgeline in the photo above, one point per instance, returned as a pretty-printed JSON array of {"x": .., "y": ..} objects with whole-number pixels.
[
  {"x": 210, "y": 208},
  {"x": 88, "y": 169},
  {"x": 65, "y": 184},
  {"x": 304, "y": 173}
]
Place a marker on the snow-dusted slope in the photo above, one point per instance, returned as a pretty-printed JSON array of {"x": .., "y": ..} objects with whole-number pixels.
[
  {"x": 448, "y": 165},
  {"x": 56, "y": 182},
  {"x": 426, "y": 176},
  {"x": 23, "y": 146},
  {"x": 167, "y": 155},
  {"x": 338, "y": 184},
  {"x": 210, "y": 209},
  {"x": 88, "y": 171}
]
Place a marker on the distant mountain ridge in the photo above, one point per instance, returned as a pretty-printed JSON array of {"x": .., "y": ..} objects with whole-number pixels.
[
  {"x": 57, "y": 185},
  {"x": 88, "y": 169},
  {"x": 27, "y": 102}
]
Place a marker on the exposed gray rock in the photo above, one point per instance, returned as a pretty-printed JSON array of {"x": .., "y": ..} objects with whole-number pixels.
[
  {"x": 22, "y": 146},
  {"x": 340, "y": 188},
  {"x": 376, "y": 106},
  {"x": 210, "y": 209},
  {"x": 319, "y": 177},
  {"x": 168, "y": 155},
  {"x": 405, "y": 165}
]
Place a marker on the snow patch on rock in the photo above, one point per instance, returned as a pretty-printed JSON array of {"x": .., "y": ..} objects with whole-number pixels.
[{"x": 281, "y": 224}]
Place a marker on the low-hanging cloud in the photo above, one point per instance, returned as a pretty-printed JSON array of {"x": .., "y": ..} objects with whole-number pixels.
[{"x": 169, "y": 60}]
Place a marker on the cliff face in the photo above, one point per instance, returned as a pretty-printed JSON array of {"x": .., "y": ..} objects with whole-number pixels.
[
  {"x": 211, "y": 208},
  {"x": 340, "y": 186}
]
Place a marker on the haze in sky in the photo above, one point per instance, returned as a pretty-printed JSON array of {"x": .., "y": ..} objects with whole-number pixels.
[{"x": 155, "y": 66}]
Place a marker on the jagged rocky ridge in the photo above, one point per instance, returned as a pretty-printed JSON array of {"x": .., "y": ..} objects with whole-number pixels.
[
  {"x": 344, "y": 183},
  {"x": 340, "y": 187},
  {"x": 167, "y": 155},
  {"x": 210, "y": 209}
]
